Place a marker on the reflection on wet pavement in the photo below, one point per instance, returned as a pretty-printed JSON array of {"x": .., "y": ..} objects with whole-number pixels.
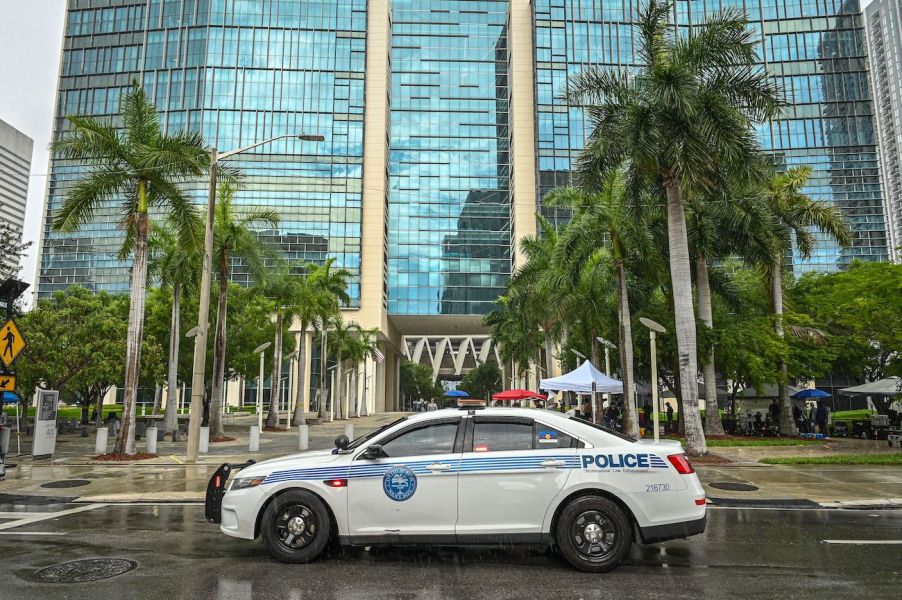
[{"x": 744, "y": 553}]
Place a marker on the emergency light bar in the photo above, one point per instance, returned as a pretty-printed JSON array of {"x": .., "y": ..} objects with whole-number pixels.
[{"x": 464, "y": 403}]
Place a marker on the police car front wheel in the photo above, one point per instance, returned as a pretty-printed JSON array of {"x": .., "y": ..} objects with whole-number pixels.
[
  {"x": 295, "y": 527},
  {"x": 593, "y": 534}
]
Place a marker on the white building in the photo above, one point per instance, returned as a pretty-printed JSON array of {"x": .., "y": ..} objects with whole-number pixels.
[
  {"x": 883, "y": 23},
  {"x": 15, "y": 165}
]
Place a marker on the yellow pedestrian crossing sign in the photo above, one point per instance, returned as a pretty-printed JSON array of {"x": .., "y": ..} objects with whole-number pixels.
[
  {"x": 11, "y": 343},
  {"x": 7, "y": 383}
]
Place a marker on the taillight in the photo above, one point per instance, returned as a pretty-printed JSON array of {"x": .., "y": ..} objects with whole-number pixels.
[
  {"x": 699, "y": 501},
  {"x": 218, "y": 483},
  {"x": 681, "y": 464},
  {"x": 336, "y": 483}
]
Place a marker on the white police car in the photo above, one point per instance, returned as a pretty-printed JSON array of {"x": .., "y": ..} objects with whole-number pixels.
[{"x": 468, "y": 476}]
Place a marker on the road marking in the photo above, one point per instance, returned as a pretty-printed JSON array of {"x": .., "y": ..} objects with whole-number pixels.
[
  {"x": 863, "y": 542},
  {"x": 12, "y": 514},
  {"x": 48, "y": 516},
  {"x": 56, "y": 533},
  {"x": 173, "y": 457}
]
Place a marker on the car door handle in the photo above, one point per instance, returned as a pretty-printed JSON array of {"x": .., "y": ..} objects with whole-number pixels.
[
  {"x": 438, "y": 467},
  {"x": 551, "y": 463}
]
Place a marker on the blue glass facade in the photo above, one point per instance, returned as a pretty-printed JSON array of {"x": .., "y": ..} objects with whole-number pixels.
[
  {"x": 815, "y": 48},
  {"x": 239, "y": 71},
  {"x": 449, "y": 166}
]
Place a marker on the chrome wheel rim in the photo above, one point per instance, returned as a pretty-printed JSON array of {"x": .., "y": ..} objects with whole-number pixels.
[
  {"x": 594, "y": 535},
  {"x": 295, "y": 526}
]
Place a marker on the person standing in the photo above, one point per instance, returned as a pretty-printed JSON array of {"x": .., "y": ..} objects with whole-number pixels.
[
  {"x": 586, "y": 410},
  {"x": 821, "y": 416},
  {"x": 431, "y": 406},
  {"x": 669, "y": 417}
]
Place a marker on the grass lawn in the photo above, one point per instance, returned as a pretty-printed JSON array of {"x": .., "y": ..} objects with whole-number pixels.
[
  {"x": 751, "y": 441},
  {"x": 838, "y": 459}
]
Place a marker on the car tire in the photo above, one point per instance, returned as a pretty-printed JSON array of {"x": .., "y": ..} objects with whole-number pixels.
[
  {"x": 295, "y": 527},
  {"x": 593, "y": 534}
]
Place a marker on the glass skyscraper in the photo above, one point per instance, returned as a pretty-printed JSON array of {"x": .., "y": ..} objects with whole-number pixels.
[
  {"x": 443, "y": 131},
  {"x": 816, "y": 50}
]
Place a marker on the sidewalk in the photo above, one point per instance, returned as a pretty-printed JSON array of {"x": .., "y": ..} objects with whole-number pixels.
[{"x": 72, "y": 475}]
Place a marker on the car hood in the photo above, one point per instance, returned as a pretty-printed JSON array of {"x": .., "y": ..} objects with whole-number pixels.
[{"x": 292, "y": 461}]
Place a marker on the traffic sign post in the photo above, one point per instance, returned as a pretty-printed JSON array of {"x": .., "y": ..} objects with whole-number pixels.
[
  {"x": 12, "y": 343},
  {"x": 7, "y": 383}
]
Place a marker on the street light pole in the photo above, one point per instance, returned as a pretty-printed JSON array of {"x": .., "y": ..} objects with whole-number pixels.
[
  {"x": 261, "y": 350},
  {"x": 200, "y": 340},
  {"x": 653, "y": 327}
]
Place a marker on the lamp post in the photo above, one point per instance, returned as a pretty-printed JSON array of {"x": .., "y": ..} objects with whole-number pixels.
[
  {"x": 653, "y": 328},
  {"x": 291, "y": 358},
  {"x": 261, "y": 350},
  {"x": 200, "y": 340}
]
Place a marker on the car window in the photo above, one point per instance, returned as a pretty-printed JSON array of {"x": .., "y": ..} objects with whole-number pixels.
[
  {"x": 549, "y": 438},
  {"x": 432, "y": 439},
  {"x": 502, "y": 436}
]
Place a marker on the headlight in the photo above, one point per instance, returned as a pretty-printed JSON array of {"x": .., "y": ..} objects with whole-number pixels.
[{"x": 242, "y": 483}]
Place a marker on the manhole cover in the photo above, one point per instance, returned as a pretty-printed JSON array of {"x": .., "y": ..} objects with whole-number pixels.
[
  {"x": 66, "y": 483},
  {"x": 733, "y": 487},
  {"x": 89, "y": 569}
]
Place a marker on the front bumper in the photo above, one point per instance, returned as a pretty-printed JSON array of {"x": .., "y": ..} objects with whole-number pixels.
[
  {"x": 216, "y": 489},
  {"x": 672, "y": 531}
]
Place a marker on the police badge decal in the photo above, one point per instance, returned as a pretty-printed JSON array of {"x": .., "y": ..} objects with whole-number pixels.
[{"x": 399, "y": 483}]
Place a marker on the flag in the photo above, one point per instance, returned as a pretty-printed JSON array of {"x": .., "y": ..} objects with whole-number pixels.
[{"x": 378, "y": 356}]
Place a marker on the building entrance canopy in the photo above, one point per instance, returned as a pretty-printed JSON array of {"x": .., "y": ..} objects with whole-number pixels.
[{"x": 581, "y": 380}]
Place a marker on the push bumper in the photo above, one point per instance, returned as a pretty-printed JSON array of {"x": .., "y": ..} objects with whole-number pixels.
[
  {"x": 672, "y": 531},
  {"x": 216, "y": 489}
]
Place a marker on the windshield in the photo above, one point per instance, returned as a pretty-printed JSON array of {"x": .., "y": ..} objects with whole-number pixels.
[
  {"x": 613, "y": 432},
  {"x": 365, "y": 438}
]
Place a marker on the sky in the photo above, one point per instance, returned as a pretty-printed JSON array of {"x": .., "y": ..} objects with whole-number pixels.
[{"x": 31, "y": 33}]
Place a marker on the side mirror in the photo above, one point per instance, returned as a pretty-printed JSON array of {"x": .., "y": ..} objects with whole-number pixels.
[
  {"x": 341, "y": 442},
  {"x": 373, "y": 452}
]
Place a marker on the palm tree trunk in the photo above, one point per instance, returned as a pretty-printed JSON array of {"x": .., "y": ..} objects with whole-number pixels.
[
  {"x": 787, "y": 427},
  {"x": 684, "y": 316},
  {"x": 272, "y": 419},
  {"x": 354, "y": 390},
  {"x": 219, "y": 351},
  {"x": 339, "y": 388},
  {"x": 713, "y": 424},
  {"x": 594, "y": 347},
  {"x": 549, "y": 353},
  {"x": 299, "y": 378},
  {"x": 125, "y": 443},
  {"x": 157, "y": 396},
  {"x": 625, "y": 329},
  {"x": 170, "y": 422},
  {"x": 324, "y": 349}
]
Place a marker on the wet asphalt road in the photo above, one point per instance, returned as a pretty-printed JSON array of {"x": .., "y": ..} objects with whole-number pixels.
[{"x": 744, "y": 554}]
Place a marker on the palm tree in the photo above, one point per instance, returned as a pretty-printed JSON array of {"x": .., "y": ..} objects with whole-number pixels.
[
  {"x": 177, "y": 263},
  {"x": 234, "y": 238},
  {"x": 315, "y": 299},
  {"x": 684, "y": 111},
  {"x": 355, "y": 347},
  {"x": 282, "y": 288},
  {"x": 533, "y": 280},
  {"x": 333, "y": 284},
  {"x": 607, "y": 231},
  {"x": 515, "y": 333},
  {"x": 139, "y": 167},
  {"x": 796, "y": 214},
  {"x": 342, "y": 335}
]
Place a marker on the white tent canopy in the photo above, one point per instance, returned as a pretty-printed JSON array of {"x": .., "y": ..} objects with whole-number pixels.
[
  {"x": 884, "y": 387},
  {"x": 581, "y": 379}
]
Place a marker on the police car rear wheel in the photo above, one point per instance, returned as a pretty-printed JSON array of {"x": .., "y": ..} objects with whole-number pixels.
[
  {"x": 593, "y": 534},
  {"x": 295, "y": 527}
]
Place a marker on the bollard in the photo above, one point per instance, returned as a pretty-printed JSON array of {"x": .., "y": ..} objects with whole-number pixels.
[
  {"x": 303, "y": 437},
  {"x": 4, "y": 440},
  {"x": 151, "y": 440},
  {"x": 255, "y": 439},
  {"x": 103, "y": 433},
  {"x": 204, "y": 446},
  {"x": 349, "y": 431}
]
